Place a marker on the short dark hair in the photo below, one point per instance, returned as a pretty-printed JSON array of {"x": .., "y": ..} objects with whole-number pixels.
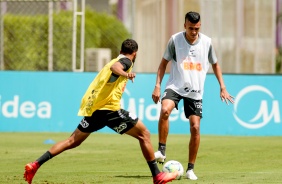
[
  {"x": 193, "y": 17},
  {"x": 129, "y": 46}
]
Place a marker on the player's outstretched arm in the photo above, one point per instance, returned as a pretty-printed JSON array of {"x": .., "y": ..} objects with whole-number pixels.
[
  {"x": 160, "y": 74},
  {"x": 224, "y": 95}
]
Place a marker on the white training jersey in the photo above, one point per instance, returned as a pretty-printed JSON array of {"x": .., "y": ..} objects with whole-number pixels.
[{"x": 189, "y": 66}]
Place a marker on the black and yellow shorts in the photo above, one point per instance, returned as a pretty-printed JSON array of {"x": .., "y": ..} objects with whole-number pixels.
[{"x": 120, "y": 121}]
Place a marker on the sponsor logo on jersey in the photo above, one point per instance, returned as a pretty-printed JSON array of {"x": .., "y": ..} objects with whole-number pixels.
[{"x": 188, "y": 65}]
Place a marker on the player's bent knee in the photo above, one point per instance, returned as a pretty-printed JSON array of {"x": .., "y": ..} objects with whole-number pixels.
[
  {"x": 165, "y": 112},
  {"x": 145, "y": 136},
  {"x": 195, "y": 129}
]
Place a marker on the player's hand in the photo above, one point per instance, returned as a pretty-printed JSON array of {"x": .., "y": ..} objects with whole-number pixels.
[
  {"x": 156, "y": 94},
  {"x": 225, "y": 96},
  {"x": 131, "y": 76}
]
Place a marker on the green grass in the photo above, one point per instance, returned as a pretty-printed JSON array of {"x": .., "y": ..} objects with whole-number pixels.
[{"x": 115, "y": 159}]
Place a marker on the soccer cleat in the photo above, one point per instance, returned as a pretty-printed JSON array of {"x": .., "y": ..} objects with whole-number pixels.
[
  {"x": 191, "y": 175},
  {"x": 163, "y": 178},
  {"x": 160, "y": 158},
  {"x": 30, "y": 170}
]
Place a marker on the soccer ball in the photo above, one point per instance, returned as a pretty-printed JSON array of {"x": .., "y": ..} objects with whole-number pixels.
[{"x": 172, "y": 166}]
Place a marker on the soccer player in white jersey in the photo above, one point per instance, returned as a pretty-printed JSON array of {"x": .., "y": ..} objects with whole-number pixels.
[{"x": 190, "y": 53}]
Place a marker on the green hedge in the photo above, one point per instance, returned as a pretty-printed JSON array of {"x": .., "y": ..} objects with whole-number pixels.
[
  {"x": 26, "y": 39},
  {"x": 278, "y": 68}
]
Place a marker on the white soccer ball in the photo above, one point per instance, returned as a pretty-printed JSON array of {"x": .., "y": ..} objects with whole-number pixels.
[{"x": 173, "y": 165}]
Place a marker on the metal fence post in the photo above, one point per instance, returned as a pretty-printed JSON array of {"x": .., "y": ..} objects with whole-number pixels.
[
  {"x": 50, "y": 36},
  {"x": 75, "y": 14},
  {"x": 2, "y": 12}
]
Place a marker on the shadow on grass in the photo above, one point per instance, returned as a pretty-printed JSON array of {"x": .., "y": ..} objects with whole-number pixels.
[{"x": 121, "y": 176}]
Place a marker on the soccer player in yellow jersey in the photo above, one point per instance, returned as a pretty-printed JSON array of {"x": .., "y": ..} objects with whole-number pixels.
[{"x": 100, "y": 107}]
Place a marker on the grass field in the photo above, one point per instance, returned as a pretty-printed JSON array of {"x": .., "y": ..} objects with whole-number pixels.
[{"x": 115, "y": 159}]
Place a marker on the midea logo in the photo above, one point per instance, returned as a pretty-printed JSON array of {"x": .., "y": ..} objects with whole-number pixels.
[{"x": 262, "y": 113}]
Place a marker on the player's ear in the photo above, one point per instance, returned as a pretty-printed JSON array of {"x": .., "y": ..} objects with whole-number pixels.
[{"x": 134, "y": 54}]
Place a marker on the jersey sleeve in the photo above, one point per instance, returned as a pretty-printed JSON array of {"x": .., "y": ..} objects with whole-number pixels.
[
  {"x": 126, "y": 63},
  {"x": 169, "y": 53},
  {"x": 212, "y": 55}
]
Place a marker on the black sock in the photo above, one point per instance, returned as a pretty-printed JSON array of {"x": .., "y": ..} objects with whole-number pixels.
[
  {"x": 162, "y": 148},
  {"x": 190, "y": 166},
  {"x": 154, "y": 167},
  {"x": 44, "y": 158}
]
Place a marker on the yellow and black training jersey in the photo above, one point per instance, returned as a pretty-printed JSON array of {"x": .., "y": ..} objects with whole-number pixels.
[{"x": 105, "y": 91}]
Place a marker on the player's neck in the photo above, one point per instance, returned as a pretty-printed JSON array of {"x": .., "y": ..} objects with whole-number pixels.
[{"x": 192, "y": 40}]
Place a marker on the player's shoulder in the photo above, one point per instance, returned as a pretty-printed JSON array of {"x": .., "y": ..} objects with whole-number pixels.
[
  {"x": 203, "y": 36},
  {"x": 181, "y": 33},
  {"x": 124, "y": 60}
]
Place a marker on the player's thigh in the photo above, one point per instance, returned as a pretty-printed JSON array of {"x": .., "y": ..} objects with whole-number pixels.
[
  {"x": 78, "y": 136},
  {"x": 121, "y": 121},
  {"x": 167, "y": 106},
  {"x": 170, "y": 100},
  {"x": 139, "y": 130},
  {"x": 194, "y": 121}
]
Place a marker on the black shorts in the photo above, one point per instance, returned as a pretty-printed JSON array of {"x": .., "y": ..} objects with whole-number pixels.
[
  {"x": 191, "y": 106},
  {"x": 120, "y": 121}
]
